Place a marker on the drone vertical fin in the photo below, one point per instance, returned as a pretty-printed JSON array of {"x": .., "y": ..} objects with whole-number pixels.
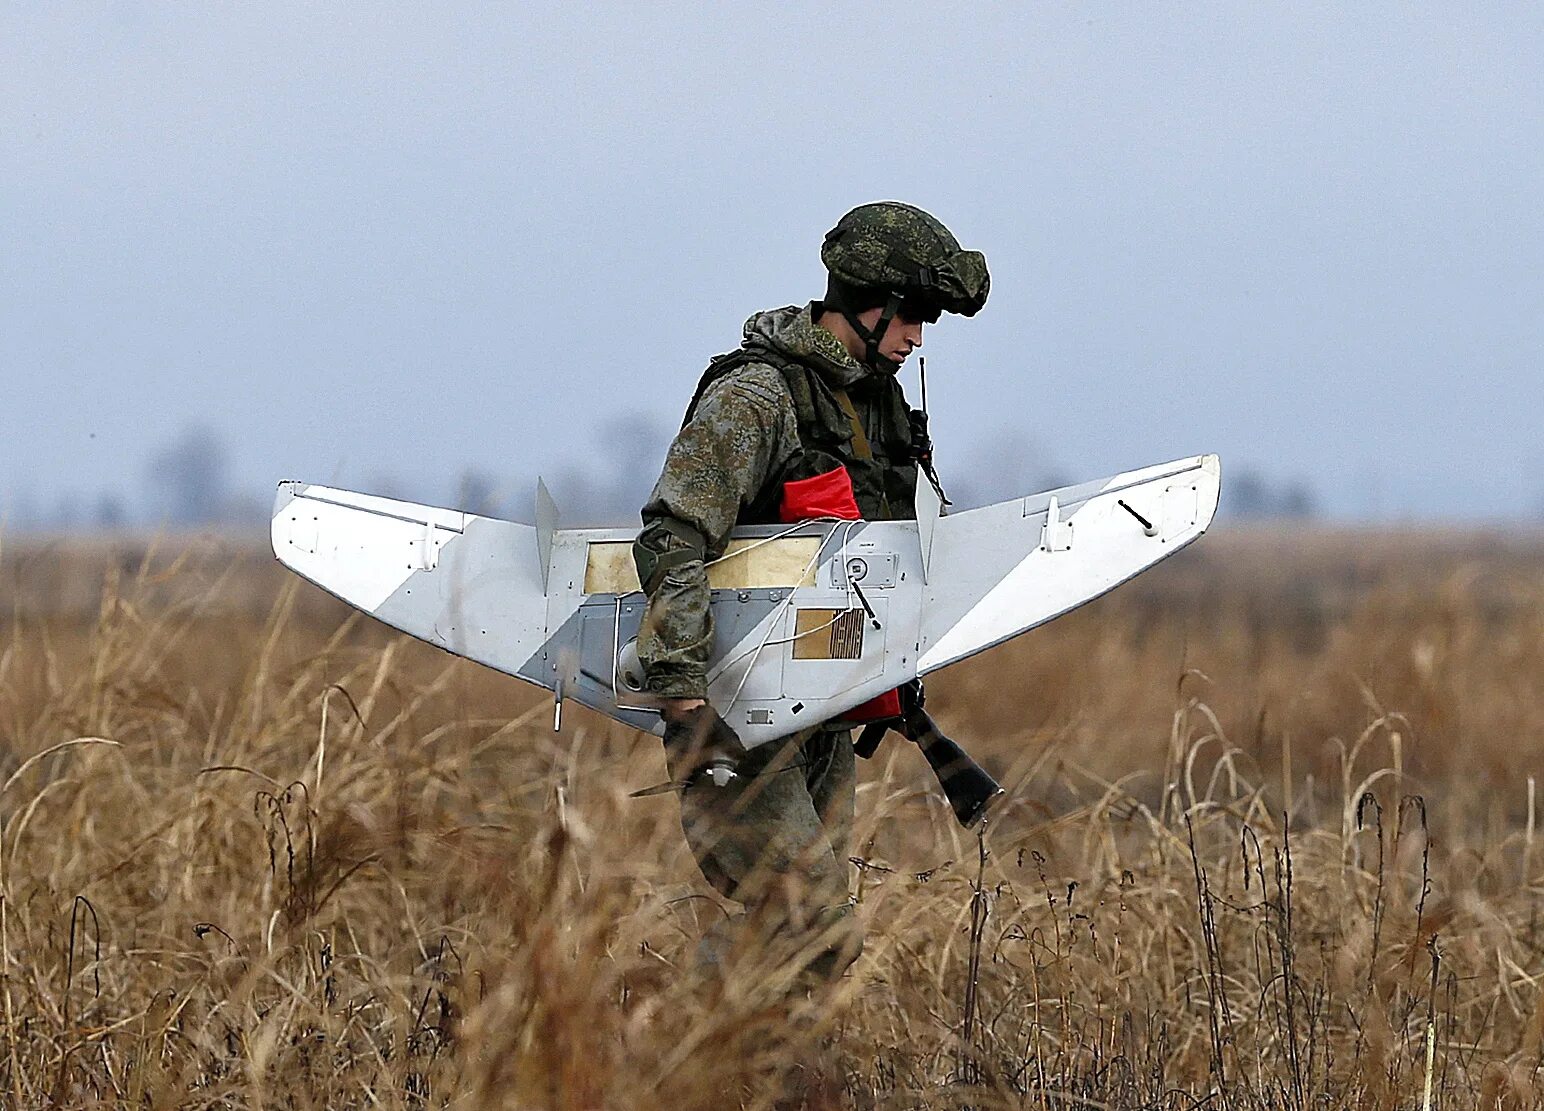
[
  {"x": 929, "y": 506},
  {"x": 546, "y": 525}
]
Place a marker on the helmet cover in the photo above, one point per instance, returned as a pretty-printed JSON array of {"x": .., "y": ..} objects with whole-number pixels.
[{"x": 900, "y": 249}]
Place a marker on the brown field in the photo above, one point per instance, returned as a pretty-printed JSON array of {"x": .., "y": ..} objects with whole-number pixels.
[{"x": 1270, "y": 842}]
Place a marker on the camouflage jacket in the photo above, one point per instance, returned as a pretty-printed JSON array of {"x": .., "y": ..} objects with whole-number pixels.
[{"x": 762, "y": 415}]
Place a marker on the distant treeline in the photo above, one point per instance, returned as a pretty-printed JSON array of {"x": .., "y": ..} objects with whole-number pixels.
[{"x": 188, "y": 484}]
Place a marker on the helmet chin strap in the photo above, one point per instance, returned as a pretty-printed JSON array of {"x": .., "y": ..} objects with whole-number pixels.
[{"x": 872, "y": 337}]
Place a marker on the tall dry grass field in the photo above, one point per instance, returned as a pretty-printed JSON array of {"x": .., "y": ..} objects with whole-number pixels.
[{"x": 1271, "y": 841}]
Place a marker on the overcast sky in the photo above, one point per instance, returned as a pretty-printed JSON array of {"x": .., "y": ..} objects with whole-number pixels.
[{"x": 397, "y": 241}]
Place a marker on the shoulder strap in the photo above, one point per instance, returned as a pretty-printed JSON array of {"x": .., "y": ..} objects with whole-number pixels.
[
  {"x": 860, "y": 441},
  {"x": 718, "y": 366}
]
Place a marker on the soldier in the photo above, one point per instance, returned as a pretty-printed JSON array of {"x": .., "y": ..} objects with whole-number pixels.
[{"x": 811, "y": 394}]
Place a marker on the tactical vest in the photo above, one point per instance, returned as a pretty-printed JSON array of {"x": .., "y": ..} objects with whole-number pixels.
[{"x": 885, "y": 484}]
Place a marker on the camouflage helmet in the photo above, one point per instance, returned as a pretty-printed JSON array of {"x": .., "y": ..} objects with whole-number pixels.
[
  {"x": 895, "y": 255},
  {"x": 892, "y": 248}
]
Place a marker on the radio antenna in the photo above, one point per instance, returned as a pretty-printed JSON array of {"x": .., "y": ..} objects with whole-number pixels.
[{"x": 922, "y": 443}]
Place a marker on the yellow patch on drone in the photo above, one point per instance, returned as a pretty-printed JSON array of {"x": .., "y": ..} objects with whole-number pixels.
[
  {"x": 827, "y": 634},
  {"x": 747, "y": 565}
]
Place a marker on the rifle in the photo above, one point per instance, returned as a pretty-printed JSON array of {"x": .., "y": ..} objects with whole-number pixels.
[{"x": 968, "y": 786}]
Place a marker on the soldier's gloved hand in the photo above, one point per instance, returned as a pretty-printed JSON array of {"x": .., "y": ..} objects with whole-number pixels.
[{"x": 703, "y": 746}]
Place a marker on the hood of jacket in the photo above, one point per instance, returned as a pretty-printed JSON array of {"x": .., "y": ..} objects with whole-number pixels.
[{"x": 792, "y": 333}]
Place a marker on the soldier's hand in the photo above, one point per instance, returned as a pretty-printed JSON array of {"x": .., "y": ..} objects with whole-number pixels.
[
  {"x": 674, "y": 709},
  {"x": 703, "y": 746},
  {"x": 701, "y": 728}
]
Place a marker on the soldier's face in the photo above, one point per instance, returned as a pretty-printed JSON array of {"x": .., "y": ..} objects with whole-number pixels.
[{"x": 900, "y": 339}]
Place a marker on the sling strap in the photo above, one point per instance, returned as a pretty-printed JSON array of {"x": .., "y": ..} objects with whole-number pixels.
[
  {"x": 860, "y": 440},
  {"x": 861, "y": 447}
]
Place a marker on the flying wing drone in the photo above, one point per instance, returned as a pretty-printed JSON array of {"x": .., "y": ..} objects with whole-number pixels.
[{"x": 811, "y": 619}]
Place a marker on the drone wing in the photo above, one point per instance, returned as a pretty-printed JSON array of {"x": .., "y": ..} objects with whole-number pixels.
[{"x": 811, "y": 620}]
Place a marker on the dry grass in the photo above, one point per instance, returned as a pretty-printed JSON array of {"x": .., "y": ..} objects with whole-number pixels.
[{"x": 1270, "y": 842}]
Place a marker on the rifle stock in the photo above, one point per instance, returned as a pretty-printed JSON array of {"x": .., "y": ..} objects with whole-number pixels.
[{"x": 968, "y": 786}]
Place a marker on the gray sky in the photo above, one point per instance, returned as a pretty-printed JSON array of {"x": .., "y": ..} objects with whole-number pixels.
[{"x": 391, "y": 240}]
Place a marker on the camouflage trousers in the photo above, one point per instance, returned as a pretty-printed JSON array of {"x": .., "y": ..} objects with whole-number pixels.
[{"x": 776, "y": 840}]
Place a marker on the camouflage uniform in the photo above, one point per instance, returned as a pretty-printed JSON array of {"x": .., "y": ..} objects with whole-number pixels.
[
  {"x": 765, "y": 415},
  {"x": 778, "y": 837}
]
